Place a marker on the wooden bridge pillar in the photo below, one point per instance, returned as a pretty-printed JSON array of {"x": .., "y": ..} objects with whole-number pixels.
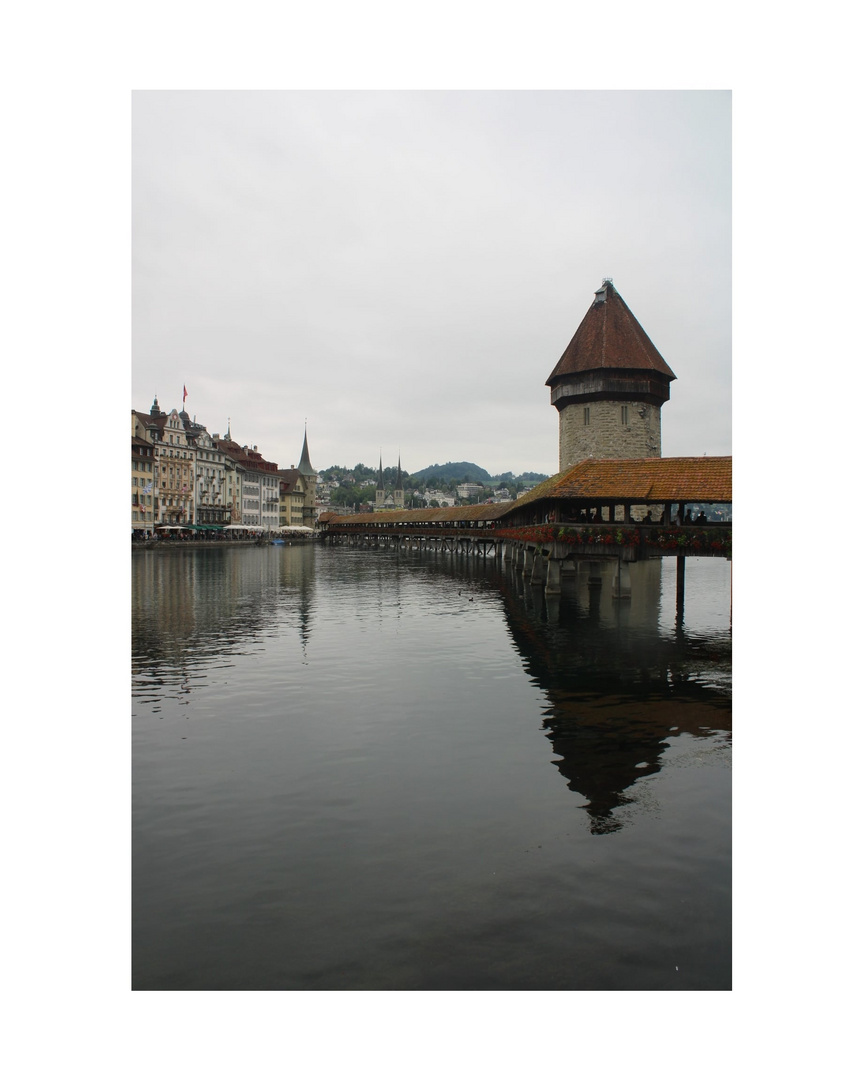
[
  {"x": 537, "y": 568},
  {"x": 621, "y": 588},
  {"x": 553, "y": 576}
]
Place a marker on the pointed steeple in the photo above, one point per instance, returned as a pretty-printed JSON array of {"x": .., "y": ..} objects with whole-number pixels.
[
  {"x": 398, "y": 492},
  {"x": 154, "y": 408},
  {"x": 305, "y": 466},
  {"x": 379, "y": 490}
]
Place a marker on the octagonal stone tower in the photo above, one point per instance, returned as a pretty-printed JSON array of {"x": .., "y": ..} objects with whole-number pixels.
[{"x": 609, "y": 386}]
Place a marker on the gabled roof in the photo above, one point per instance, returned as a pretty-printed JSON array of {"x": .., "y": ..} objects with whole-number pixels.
[
  {"x": 147, "y": 421},
  {"x": 684, "y": 479},
  {"x": 609, "y": 337},
  {"x": 291, "y": 478}
]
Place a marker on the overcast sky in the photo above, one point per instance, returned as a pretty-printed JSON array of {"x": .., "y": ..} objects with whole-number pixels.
[{"x": 405, "y": 268}]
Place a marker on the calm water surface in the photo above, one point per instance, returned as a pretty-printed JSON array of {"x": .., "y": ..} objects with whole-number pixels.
[{"x": 354, "y": 769}]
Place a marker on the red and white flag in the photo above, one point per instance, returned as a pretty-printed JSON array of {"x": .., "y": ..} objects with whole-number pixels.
[{"x": 185, "y": 395}]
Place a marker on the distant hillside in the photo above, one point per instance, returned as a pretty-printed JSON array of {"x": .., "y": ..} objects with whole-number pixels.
[
  {"x": 455, "y": 470},
  {"x": 447, "y": 475}
]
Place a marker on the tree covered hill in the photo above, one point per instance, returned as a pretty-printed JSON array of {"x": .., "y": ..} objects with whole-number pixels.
[
  {"x": 460, "y": 471},
  {"x": 445, "y": 476}
]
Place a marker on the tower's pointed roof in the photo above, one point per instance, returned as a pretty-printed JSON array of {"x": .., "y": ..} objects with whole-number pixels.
[
  {"x": 380, "y": 473},
  {"x": 609, "y": 337},
  {"x": 399, "y": 474},
  {"x": 305, "y": 466}
]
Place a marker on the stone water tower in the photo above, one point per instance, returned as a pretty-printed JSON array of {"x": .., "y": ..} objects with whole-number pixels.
[{"x": 609, "y": 386}]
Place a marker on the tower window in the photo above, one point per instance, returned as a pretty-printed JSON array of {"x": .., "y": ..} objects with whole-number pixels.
[
  {"x": 625, "y": 414},
  {"x": 586, "y": 416}
]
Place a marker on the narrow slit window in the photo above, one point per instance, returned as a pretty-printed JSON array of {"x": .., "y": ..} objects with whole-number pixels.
[
  {"x": 625, "y": 414},
  {"x": 586, "y": 416}
]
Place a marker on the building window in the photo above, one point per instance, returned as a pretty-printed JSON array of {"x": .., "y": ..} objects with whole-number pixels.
[
  {"x": 586, "y": 416},
  {"x": 625, "y": 414}
]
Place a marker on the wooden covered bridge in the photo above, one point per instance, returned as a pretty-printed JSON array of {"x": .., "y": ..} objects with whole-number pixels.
[{"x": 599, "y": 509}]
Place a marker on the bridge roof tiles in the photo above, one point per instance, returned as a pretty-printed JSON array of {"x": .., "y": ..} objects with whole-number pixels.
[{"x": 684, "y": 479}]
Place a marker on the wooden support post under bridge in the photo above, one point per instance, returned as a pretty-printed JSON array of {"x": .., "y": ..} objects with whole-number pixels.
[{"x": 553, "y": 576}]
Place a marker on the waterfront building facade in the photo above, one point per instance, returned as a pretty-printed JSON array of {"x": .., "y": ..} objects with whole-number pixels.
[
  {"x": 143, "y": 483},
  {"x": 258, "y": 483},
  {"x": 233, "y": 489},
  {"x": 211, "y": 507},
  {"x": 292, "y": 497},
  {"x": 174, "y": 462},
  {"x": 609, "y": 386}
]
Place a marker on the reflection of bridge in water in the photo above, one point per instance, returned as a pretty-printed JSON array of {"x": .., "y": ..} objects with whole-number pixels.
[{"x": 618, "y": 688}]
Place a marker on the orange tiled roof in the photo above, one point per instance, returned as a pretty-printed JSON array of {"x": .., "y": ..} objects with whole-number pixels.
[
  {"x": 610, "y": 337},
  {"x": 684, "y": 479}
]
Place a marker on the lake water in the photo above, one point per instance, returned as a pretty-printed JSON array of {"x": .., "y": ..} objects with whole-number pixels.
[{"x": 357, "y": 769}]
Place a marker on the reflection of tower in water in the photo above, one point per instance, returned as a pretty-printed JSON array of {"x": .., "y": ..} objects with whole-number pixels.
[{"x": 618, "y": 688}]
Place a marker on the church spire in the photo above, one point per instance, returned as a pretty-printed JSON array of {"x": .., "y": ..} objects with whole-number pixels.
[
  {"x": 398, "y": 492},
  {"x": 305, "y": 466},
  {"x": 379, "y": 491}
]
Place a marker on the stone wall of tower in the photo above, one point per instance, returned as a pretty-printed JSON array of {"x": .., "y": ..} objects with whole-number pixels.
[{"x": 606, "y": 435}]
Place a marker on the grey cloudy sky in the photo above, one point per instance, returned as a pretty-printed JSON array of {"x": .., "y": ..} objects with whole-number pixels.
[{"x": 405, "y": 268}]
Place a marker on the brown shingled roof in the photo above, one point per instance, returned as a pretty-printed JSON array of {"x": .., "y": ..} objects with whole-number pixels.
[
  {"x": 610, "y": 337},
  {"x": 685, "y": 479},
  {"x": 289, "y": 477}
]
